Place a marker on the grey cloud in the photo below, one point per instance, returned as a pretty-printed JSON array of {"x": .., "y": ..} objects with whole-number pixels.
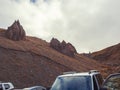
[
  {"x": 93, "y": 25},
  {"x": 89, "y": 25}
]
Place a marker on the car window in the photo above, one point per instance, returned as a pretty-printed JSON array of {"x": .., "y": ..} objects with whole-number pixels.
[
  {"x": 34, "y": 89},
  {"x": 113, "y": 83},
  {"x": 95, "y": 83},
  {"x": 1, "y": 88},
  {"x": 99, "y": 79},
  {"x": 72, "y": 83},
  {"x": 7, "y": 86}
]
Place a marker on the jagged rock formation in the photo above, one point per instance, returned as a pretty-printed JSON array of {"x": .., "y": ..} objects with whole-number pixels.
[
  {"x": 68, "y": 49},
  {"x": 63, "y": 47},
  {"x": 55, "y": 44},
  {"x": 15, "y": 32}
]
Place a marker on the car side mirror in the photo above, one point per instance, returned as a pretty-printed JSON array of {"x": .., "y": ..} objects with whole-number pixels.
[{"x": 103, "y": 89}]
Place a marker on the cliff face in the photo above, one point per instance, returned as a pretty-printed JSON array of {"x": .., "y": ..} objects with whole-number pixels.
[{"x": 32, "y": 61}]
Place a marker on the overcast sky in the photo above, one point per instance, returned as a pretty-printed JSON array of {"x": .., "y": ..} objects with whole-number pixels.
[{"x": 90, "y": 25}]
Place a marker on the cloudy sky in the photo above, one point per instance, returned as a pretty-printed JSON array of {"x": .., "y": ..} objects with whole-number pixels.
[{"x": 90, "y": 25}]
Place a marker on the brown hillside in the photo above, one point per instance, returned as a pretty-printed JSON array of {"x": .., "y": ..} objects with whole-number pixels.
[
  {"x": 32, "y": 61},
  {"x": 109, "y": 56}
]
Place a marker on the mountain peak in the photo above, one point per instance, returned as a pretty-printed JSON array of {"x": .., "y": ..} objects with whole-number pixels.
[
  {"x": 15, "y": 32},
  {"x": 63, "y": 47}
]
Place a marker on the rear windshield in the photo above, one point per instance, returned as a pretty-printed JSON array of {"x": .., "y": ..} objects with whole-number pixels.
[{"x": 72, "y": 83}]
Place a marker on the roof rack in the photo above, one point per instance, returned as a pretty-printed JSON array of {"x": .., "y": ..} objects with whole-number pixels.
[
  {"x": 71, "y": 72},
  {"x": 93, "y": 71}
]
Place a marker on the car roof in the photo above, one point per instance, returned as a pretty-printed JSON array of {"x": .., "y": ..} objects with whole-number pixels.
[
  {"x": 34, "y": 87},
  {"x": 79, "y": 74}
]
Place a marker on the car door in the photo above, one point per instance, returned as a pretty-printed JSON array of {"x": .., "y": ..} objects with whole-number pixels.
[{"x": 112, "y": 82}]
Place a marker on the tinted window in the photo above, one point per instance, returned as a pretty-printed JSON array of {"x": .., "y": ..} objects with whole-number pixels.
[
  {"x": 99, "y": 79},
  {"x": 1, "y": 87},
  {"x": 72, "y": 83},
  {"x": 113, "y": 83},
  {"x": 95, "y": 83}
]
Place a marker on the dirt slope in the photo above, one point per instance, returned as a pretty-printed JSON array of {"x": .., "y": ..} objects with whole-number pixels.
[
  {"x": 32, "y": 62},
  {"x": 109, "y": 56}
]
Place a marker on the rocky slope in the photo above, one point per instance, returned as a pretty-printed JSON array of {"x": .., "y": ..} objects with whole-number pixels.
[
  {"x": 109, "y": 56},
  {"x": 28, "y": 61}
]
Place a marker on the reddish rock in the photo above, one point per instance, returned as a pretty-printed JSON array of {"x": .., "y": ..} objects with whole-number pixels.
[
  {"x": 15, "y": 32},
  {"x": 63, "y": 47},
  {"x": 69, "y": 50},
  {"x": 63, "y": 44},
  {"x": 54, "y": 43},
  {"x": 71, "y": 47}
]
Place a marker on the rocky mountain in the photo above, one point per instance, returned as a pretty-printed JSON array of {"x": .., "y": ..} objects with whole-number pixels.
[
  {"x": 15, "y": 31},
  {"x": 26, "y": 61},
  {"x": 109, "y": 56},
  {"x": 63, "y": 47}
]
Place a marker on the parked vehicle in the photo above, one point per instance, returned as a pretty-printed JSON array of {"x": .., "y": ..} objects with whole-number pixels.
[
  {"x": 112, "y": 82},
  {"x": 35, "y": 88},
  {"x": 6, "y": 86},
  {"x": 91, "y": 80}
]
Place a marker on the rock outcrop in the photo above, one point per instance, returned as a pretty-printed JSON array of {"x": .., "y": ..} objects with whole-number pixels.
[
  {"x": 63, "y": 47},
  {"x": 68, "y": 49},
  {"x": 15, "y": 32},
  {"x": 55, "y": 44}
]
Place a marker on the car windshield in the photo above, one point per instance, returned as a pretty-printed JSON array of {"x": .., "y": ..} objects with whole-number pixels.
[{"x": 72, "y": 83}]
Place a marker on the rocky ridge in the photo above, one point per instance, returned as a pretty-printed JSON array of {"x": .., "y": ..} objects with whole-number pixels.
[{"x": 63, "y": 47}]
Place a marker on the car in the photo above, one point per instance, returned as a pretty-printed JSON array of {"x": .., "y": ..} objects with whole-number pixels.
[
  {"x": 6, "y": 86},
  {"x": 112, "y": 82},
  {"x": 91, "y": 80},
  {"x": 35, "y": 88}
]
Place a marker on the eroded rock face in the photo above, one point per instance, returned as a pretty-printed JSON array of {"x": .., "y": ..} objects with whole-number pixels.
[
  {"x": 63, "y": 44},
  {"x": 55, "y": 44},
  {"x": 69, "y": 50},
  {"x": 63, "y": 47},
  {"x": 15, "y": 32}
]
